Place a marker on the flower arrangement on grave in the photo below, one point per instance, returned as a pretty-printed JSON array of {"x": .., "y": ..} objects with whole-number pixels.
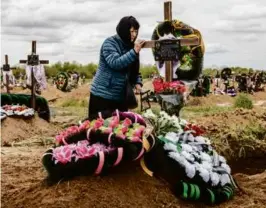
[
  {"x": 186, "y": 159},
  {"x": 163, "y": 87},
  {"x": 25, "y": 100},
  {"x": 16, "y": 111},
  {"x": 61, "y": 81},
  {"x": 174, "y": 149},
  {"x": 95, "y": 146},
  {"x": 190, "y": 62}
]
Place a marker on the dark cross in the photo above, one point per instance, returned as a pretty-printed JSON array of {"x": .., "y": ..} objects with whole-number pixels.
[
  {"x": 183, "y": 41},
  {"x": 33, "y": 60},
  {"x": 6, "y": 68}
]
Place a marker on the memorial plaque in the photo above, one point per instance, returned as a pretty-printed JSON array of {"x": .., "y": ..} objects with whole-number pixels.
[
  {"x": 167, "y": 50},
  {"x": 33, "y": 60},
  {"x": 6, "y": 67}
]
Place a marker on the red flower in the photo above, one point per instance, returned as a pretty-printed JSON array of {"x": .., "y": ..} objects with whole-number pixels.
[
  {"x": 127, "y": 122},
  {"x": 114, "y": 122},
  {"x": 196, "y": 131},
  {"x": 98, "y": 123},
  {"x": 85, "y": 125}
]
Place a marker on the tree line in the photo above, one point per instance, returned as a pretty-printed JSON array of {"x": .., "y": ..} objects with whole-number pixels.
[{"x": 88, "y": 70}]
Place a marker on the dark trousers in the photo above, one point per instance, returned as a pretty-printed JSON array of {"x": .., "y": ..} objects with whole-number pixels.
[{"x": 105, "y": 106}]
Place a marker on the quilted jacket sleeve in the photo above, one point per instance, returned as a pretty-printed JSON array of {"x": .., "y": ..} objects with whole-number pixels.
[{"x": 115, "y": 60}]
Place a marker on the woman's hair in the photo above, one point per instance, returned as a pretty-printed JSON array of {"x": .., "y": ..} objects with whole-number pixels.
[{"x": 123, "y": 28}]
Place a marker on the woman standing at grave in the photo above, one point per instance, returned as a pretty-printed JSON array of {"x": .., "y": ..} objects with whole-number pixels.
[{"x": 119, "y": 63}]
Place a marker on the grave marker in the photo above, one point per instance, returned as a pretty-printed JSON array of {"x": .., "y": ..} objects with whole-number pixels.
[
  {"x": 33, "y": 60},
  {"x": 168, "y": 45},
  {"x": 6, "y": 68}
]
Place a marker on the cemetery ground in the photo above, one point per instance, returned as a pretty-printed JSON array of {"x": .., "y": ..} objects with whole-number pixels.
[{"x": 238, "y": 134}]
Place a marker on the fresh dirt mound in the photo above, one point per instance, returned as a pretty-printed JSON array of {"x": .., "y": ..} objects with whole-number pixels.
[
  {"x": 125, "y": 186},
  {"x": 18, "y": 129},
  {"x": 255, "y": 188},
  {"x": 52, "y": 93},
  {"x": 212, "y": 100},
  {"x": 238, "y": 134},
  {"x": 227, "y": 119}
]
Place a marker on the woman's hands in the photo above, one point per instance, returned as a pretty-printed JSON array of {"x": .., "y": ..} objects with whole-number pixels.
[
  {"x": 138, "y": 88},
  {"x": 138, "y": 45}
]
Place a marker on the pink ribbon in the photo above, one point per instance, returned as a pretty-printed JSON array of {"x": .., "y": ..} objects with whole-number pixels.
[
  {"x": 101, "y": 163},
  {"x": 64, "y": 141},
  {"x": 136, "y": 118},
  {"x": 100, "y": 115},
  {"x": 140, "y": 154},
  {"x": 109, "y": 137},
  {"x": 88, "y": 133},
  {"x": 119, "y": 156},
  {"x": 117, "y": 114}
]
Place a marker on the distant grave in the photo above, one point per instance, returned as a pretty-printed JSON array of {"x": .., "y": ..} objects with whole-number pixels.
[
  {"x": 8, "y": 77},
  {"x": 33, "y": 60}
]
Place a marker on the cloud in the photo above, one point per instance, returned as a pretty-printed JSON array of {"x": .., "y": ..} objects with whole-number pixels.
[
  {"x": 252, "y": 37},
  {"x": 247, "y": 11},
  {"x": 215, "y": 48},
  {"x": 240, "y": 26},
  {"x": 50, "y": 49},
  {"x": 40, "y": 34}
]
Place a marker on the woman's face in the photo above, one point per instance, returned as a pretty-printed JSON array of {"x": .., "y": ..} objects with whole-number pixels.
[{"x": 133, "y": 34}]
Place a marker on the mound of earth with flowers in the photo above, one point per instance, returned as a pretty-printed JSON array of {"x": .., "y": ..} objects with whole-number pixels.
[
  {"x": 167, "y": 147},
  {"x": 95, "y": 146}
]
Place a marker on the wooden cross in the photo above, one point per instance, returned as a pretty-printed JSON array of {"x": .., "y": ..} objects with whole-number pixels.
[
  {"x": 6, "y": 68},
  {"x": 33, "y": 60},
  {"x": 183, "y": 41}
]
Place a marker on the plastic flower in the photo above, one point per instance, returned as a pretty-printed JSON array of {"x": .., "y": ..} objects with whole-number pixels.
[
  {"x": 96, "y": 124},
  {"x": 114, "y": 122},
  {"x": 138, "y": 131},
  {"x": 63, "y": 154},
  {"x": 120, "y": 135},
  {"x": 72, "y": 130},
  {"x": 59, "y": 138},
  {"x": 196, "y": 131},
  {"x": 106, "y": 130},
  {"x": 85, "y": 125},
  {"x": 127, "y": 122},
  {"x": 99, "y": 147},
  {"x": 83, "y": 150}
]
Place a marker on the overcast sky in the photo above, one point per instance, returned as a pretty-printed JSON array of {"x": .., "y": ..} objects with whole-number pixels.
[{"x": 234, "y": 31}]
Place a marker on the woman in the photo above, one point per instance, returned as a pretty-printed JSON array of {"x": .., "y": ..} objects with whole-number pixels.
[{"x": 119, "y": 61}]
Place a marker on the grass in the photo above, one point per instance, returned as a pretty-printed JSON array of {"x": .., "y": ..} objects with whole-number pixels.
[
  {"x": 189, "y": 112},
  {"x": 72, "y": 102}
]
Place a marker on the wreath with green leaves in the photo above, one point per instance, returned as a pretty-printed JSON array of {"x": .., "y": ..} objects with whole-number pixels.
[
  {"x": 61, "y": 81},
  {"x": 191, "y": 57}
]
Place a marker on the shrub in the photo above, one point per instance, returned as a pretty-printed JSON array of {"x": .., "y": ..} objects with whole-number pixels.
[{"x": 243, "y": 101}]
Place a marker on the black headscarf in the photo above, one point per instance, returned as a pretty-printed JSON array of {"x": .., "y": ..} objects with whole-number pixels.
[{"x": 123, "y": 31}]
